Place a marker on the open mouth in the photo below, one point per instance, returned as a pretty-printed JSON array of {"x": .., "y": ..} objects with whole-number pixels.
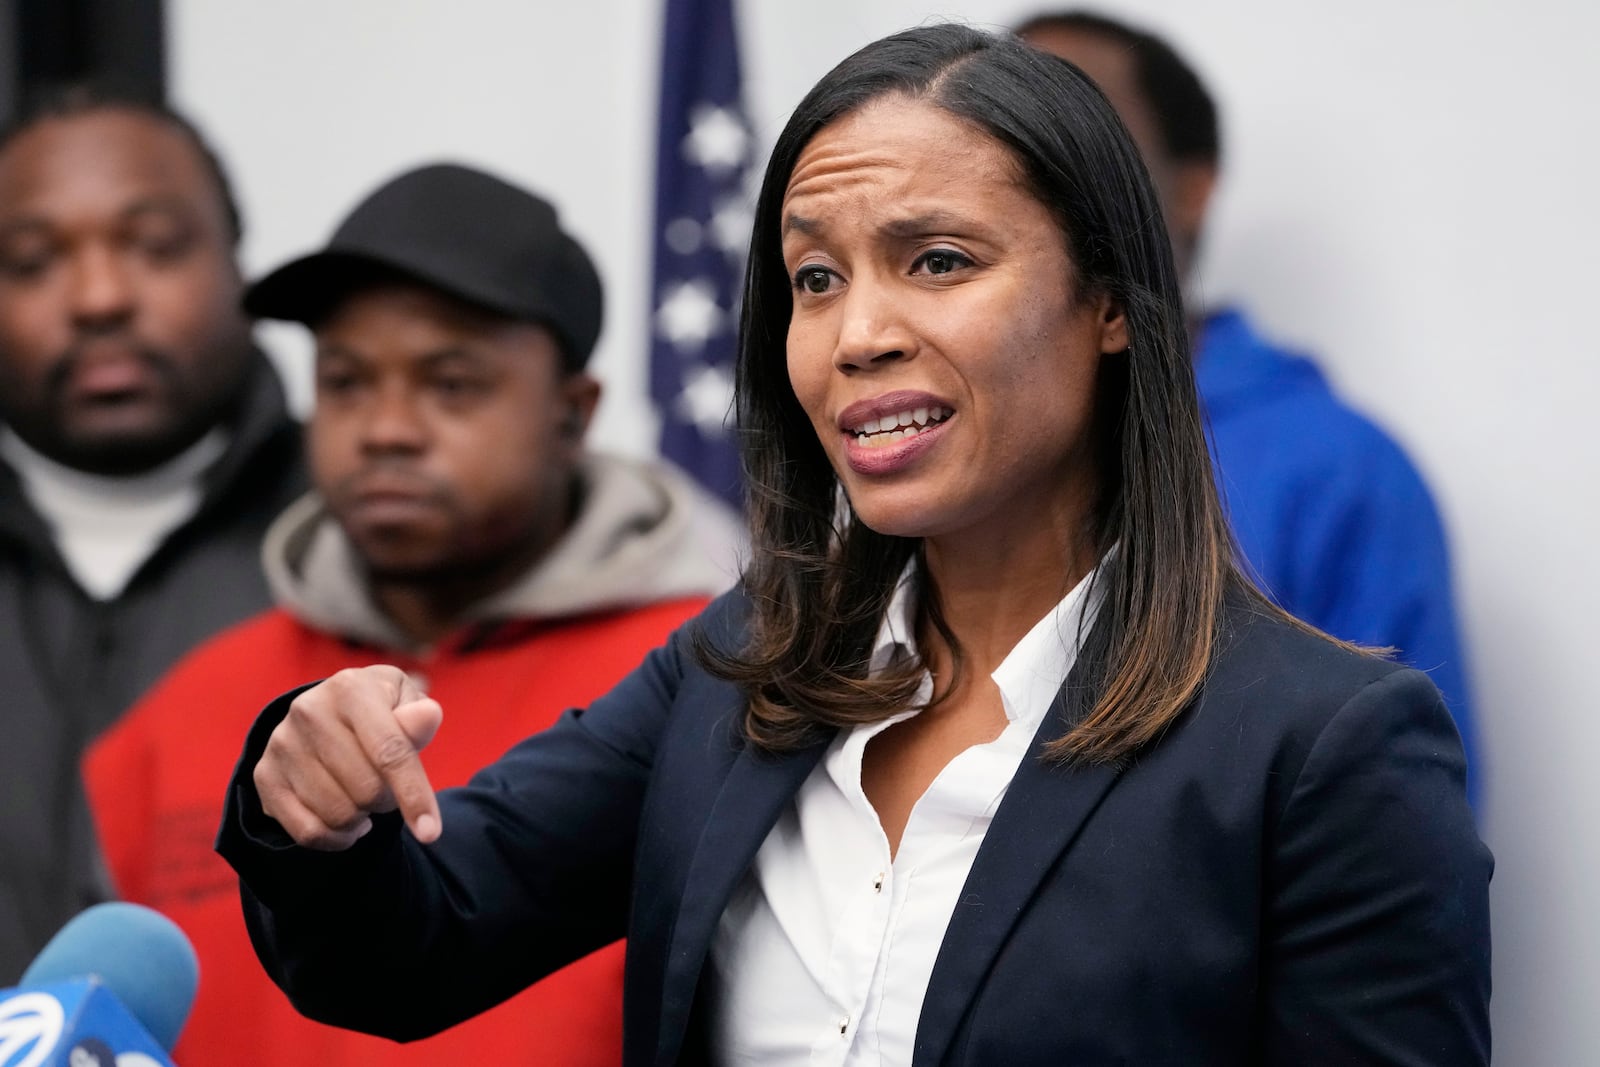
[{"x": 875, "y": 433}]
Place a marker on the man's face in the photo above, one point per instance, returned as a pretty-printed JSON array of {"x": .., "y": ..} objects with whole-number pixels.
[
  {"x": 121, "y": 336},
  {"x": 444, "y": 438},
  {"x": 1183, "y": 187}
]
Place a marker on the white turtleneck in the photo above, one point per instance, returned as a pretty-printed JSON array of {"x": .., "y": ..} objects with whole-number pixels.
[{"x": 106, "y": 527}]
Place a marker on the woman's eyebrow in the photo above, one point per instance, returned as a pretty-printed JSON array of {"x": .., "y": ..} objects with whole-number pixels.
[
  {"x": 914, "y": 226},
  {"x": 801, "y": 224},
  {"x": 931, "y": 222}
]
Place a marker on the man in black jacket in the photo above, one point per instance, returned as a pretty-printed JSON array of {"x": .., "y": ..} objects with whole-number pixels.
[{"x": 144, "y": 447}]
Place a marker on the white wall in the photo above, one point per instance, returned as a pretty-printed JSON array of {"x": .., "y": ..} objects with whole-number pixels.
[{"x": 1409, "y": 194}]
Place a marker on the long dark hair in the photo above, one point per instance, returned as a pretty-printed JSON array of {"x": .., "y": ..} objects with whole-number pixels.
[{"x": 819, "y": 580}]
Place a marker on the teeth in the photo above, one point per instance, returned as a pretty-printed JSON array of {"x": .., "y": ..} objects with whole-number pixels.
[{"x": 897, "y": 427}]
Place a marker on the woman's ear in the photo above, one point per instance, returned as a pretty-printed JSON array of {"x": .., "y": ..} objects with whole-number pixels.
[{"x": 1113, "y": 326}]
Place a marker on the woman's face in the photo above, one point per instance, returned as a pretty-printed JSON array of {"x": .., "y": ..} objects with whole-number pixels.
[{"x": 938, "y": 342}]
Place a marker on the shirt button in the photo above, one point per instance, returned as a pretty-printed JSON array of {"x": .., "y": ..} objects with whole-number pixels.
[
  {"x": 844, "y": 1024},
  {"x": 877, "y": 883}
]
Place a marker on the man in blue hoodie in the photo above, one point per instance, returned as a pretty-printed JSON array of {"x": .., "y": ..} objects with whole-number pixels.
[{"x": 1329, "y": 513}]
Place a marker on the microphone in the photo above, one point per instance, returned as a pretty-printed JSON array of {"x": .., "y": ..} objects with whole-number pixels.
[{"x": 112, "y": 988}]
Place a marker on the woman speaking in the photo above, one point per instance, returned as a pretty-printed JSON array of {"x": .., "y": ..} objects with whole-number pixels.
[{"x": 993, "y": 757}]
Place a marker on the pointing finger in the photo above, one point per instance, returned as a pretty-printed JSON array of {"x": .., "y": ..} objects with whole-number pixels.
[{"x": 395, "y": 757}]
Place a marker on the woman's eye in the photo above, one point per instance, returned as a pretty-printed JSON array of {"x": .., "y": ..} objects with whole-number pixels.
[
  {"x": 812, "y": 279},
  {"x": 940, "y": 261}
]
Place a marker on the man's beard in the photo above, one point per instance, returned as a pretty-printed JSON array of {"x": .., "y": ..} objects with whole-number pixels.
[{"x": 50, "y": 428}]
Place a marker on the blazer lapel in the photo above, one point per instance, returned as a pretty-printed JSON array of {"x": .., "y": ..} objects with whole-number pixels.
[
  {"x": 1044, "y": 808},
  {"x": 746, "y": 808}
]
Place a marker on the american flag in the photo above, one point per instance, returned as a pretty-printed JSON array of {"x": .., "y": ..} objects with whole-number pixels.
[{"x": 702, "y": 231}]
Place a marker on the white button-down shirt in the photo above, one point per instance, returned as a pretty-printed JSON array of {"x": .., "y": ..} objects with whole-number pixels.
[{"x": 824, "y": 953}]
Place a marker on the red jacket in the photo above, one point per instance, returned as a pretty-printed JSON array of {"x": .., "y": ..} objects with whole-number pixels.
[{"x": 156, "y": 784}]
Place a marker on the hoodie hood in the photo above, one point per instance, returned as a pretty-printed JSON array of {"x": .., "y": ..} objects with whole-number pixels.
[
  {"x": 1235, "y": 367},
  {"x": 643, "y": 534}
]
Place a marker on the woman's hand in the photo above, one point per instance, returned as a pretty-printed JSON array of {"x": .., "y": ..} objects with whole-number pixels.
[{"x": 348, "y": 749}]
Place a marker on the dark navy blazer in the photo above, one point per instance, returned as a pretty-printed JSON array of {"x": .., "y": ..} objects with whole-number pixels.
[{"x": 1289, "y": 876}]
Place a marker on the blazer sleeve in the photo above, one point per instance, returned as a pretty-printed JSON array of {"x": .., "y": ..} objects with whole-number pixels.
[
  {"x": 532, "y": 870},
  {"x": 1377, "y": 926}
]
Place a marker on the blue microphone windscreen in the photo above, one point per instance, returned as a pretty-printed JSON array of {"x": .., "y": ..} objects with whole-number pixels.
[{"x": 140, "y": 955}]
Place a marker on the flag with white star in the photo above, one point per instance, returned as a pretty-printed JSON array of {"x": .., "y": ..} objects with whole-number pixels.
[{"x": 702, "y": 231}]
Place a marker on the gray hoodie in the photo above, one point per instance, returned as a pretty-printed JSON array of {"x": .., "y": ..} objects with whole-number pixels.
[{"x": 643, "y": 534}]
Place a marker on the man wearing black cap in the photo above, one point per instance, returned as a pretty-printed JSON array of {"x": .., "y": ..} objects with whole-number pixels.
[{"x": 458, "y": 529}]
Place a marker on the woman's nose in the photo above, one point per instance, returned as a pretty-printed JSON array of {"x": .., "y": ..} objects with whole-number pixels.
[{"x": 873, "y": 328}]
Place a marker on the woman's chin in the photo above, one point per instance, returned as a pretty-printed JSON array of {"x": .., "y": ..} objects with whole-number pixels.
[{"x": 895, "y": 520}]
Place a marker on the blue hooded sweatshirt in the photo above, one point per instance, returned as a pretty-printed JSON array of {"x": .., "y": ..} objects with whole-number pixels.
[{"x": 1331, "y": 517}]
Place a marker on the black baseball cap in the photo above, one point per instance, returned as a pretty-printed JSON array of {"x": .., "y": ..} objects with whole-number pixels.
[{"x": 461, "y": 231}]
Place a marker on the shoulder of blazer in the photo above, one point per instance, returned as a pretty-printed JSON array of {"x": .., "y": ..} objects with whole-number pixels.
[
  {"x": 1265, "y": 664},
  {"x": 1272, "y": 692}
]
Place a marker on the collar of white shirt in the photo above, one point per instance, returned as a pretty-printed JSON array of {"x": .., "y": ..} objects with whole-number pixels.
[{"x": 1033, "y": 671}]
